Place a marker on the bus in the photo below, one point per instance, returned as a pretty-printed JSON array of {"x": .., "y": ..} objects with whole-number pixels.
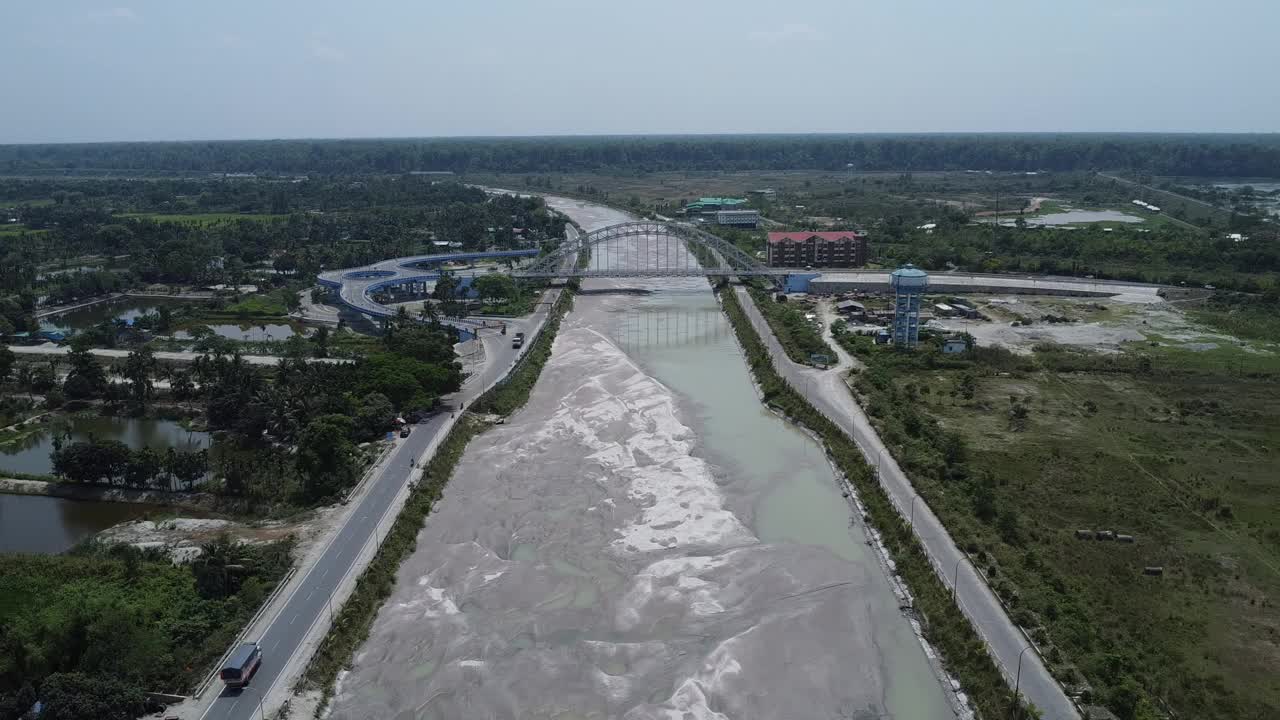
[{"x": 241, "y": 665}]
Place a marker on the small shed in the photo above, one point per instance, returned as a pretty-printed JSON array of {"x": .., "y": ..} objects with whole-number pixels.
[
  {"x": 851, "y": 308},
  {"x": 954, "y": 345}
]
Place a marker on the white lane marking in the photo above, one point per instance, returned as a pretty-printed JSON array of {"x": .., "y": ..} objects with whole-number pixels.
[
  {"x": 308, "y": 597},
  {"x": 292, "y": 618},
  {"x": 233, "y": 707},
  {"x": 326, "y": 572}
]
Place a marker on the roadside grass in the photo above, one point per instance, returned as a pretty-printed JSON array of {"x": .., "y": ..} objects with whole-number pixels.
[
  {"x": 1166, "y": 446},
  {"x": 351, "y": 627},
  {"x": 963, "y": 653},
  {"x": 798, "y": 336},
  {"x": 204, "y": 218}
]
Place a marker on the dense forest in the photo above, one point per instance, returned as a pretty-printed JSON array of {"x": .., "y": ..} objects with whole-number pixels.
[
  {"x": 1254, "y": 155},
  {"x": 90, "y": 632}
]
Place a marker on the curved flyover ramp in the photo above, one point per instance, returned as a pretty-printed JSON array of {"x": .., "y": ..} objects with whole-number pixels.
[{"x": 355, "y": 286}]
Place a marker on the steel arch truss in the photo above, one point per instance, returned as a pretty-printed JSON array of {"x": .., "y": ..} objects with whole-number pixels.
[{"x": 657, "y": 249}]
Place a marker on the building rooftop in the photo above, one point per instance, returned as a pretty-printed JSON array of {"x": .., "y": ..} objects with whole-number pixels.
[
  {"x": 909, "y": 271},
  {"x": 780, "y": 237}
]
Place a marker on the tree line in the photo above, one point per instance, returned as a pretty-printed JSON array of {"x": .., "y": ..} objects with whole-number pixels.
[
  {"x": 325, "y": 224},
  {"x": 1161, "y": 154},
  {"x": 115, "y": 464}
]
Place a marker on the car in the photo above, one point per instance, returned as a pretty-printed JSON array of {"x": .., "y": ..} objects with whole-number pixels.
[
  {"x": 404, "y": 431},
  {"x": 517, "y": 340}
]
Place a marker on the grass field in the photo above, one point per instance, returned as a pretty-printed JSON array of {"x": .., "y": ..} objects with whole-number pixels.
[
  {"x": 205, "y": 218},
  {"x": 18, "y": 229},
  {"x": 1180, "y": 454},
  {"x": 257, "y": 306}
]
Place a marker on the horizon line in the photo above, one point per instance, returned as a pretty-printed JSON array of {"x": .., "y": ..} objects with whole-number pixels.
[{"x": 664, "y": 135}]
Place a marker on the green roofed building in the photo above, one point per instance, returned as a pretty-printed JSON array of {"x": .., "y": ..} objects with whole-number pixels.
[{"x": 711, "y": 205}]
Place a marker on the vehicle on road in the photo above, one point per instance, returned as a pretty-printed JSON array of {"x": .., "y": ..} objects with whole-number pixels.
[
  {"x": 241, "y": 665},
  {"x": 517, "y": 340},
  {"x": 404, "y": 431}
]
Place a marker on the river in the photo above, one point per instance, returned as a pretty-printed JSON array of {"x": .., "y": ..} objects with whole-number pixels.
[{"x": 642, "y": 540}]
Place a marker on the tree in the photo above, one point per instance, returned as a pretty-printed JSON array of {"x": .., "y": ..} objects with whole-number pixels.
[
  {"x": 138, "y": 368},
  {"x": 7, "y": 359},
  {"x": 94, "y": 462},
  {"x": 75, "y": 696},
  {"x": 446, "y": 287},
  {"x": 25, "y": 377},
  {"x": 86, "y": 378},
  {"x": 373, "y": 416},
  {"x": 326, "y": 456},
  {"x": 321, "y": 340},
  {"x": 430, "y": 314},
  {"x": 187, "y": 467},
  {"x": 496, "y": 286},
  {"x": 216, "y": 571},
  {"x": 144, "y": 467}
]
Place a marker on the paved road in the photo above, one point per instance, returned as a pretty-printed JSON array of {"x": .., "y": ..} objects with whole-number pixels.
[
  {"x": 117, "y": 354},
  {"x": 983, "y": 282},
  {"x": 310, "y": 602},
  {"x": 59, "y": 309},
  {"x": 827, "y": 392},
  {"x": 354, "y": 285}
]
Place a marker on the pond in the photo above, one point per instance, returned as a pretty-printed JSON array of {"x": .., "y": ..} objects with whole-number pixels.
[
  {"x": 47, "y": 525},
  {"x": 31, "y": 454},
  {"x": 127, "y": 309}
]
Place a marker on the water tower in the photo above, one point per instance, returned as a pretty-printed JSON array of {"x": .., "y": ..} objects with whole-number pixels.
[{"x": 909, "y": 283}]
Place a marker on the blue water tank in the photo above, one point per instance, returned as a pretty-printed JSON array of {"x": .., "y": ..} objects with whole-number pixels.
[
  {"x": 909, "y": 283},
  {"x": 909, "y": 278}
]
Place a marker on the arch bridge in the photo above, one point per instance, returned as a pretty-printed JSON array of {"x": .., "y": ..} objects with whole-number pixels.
[{"x": 647, "y": 248}]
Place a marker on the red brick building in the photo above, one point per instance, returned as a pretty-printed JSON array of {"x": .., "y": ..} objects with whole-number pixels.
[{"x": 844, "y": 248}]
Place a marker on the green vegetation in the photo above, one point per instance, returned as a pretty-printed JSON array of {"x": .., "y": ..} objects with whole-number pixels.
[
  {"x": 202, "y": 219},
  {"x": 274, "y": 305},
  {"x": 799, "y": 336},
  {"x": 90, "y": 631},
  {"x": 199, "y": 232},
  {"x": 1204, "y": 154},
  {"x": 115, "y": 464},
  {"x": 502, "y": 295},
  {"x": 1017, "y": 453},
  {"x": 963, "y": 651},
  {"x": 1243, "y": 316}
]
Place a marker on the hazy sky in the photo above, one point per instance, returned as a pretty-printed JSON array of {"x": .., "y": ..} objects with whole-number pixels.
[{"x": 76, "y": 70}]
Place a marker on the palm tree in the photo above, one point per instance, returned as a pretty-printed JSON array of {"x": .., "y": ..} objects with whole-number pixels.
[{"x": 25, "y": 375}]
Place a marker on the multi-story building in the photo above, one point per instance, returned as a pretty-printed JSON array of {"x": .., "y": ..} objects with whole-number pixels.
[
  {"x": 843, "y": 248},
  {"x": 738, "y": 218}
]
